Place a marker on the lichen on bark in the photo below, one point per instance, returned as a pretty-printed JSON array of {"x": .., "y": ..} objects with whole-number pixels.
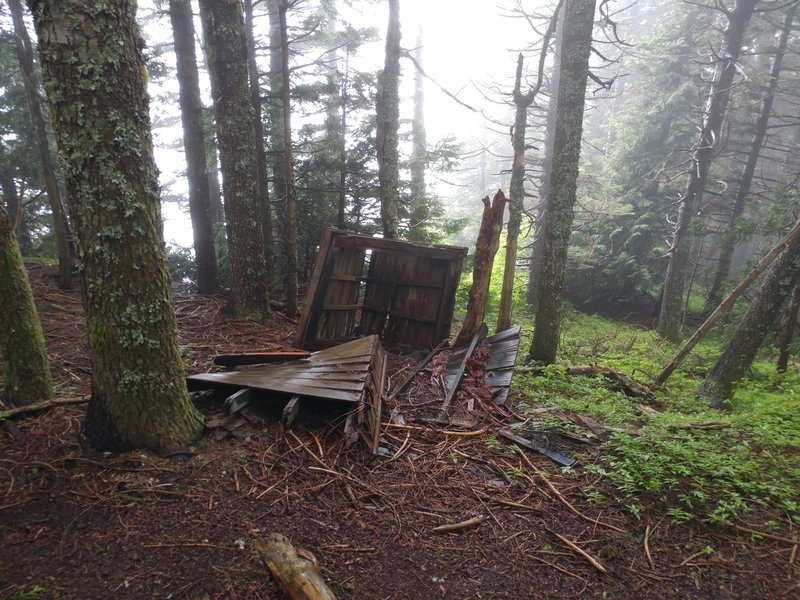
[{"x": 93, "y": 67}]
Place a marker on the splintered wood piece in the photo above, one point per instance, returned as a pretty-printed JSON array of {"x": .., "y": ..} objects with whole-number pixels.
[
  {"x": 486, "y": 247},
  {"x": 290, "y": 411},
  {"x": 299, "y": 577},
  {"x": 236, "y": 402}
]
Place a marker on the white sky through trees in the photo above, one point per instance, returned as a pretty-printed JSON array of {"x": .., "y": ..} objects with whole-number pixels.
[{"x": 470, "y": 48}]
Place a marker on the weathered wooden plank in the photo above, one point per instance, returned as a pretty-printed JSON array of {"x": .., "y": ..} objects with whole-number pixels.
[
  {"x": 500, "y": 336},
  {"x": 404, "y": 247},
  {"x": 304, "y": 329},
  {"x": 237, "y": 379},
  {"x": 501, "y": 378}
]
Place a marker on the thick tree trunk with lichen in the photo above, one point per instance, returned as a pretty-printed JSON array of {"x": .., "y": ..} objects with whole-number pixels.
[
  {"x": 26, "y": 370},
  {"x": 671, "y": 315},
  {"x": 54, "y": 199},
  {"x": 718, "y": 385},
  {"x": 557, "y": 226},
  {"x": 180, "y": 12},
  {"x": 94, "y": 77},
  {"x": 226, "y": 53},
  {"x": 388, "y": 124}
]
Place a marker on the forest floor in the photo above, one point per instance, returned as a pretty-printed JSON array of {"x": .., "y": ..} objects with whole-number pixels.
[{"x": 76, "y": 523}]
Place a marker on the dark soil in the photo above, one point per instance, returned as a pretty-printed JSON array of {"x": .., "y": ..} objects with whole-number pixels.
[{"x": 75, "y": 523}]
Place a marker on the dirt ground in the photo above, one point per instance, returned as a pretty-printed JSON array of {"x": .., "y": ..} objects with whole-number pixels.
[{"x": 75, "y": 523}]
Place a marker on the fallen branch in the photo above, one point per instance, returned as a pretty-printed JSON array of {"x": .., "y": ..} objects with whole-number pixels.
[
  {"x": 592, "y": 560},
  {"x": 40, "y": 406},
  {"x": 563, "y": 500},
  {"x": 458, "y": 526},
  {"x": 299, "y": 577},
  {"x": 769, "y": 536}
]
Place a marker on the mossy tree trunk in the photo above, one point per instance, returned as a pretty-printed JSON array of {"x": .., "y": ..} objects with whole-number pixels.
[
  {"x": 26, "y": 370},
  {"x": 388, "y": 124},
  {"x": 671, "y": 315},
  {"x": 180, "y": 12},
  {"x": 574, "y": 51},
  {"x": 226, "y": 52},
  {"x": 54, "y": 199},
  {"x": 95, "y": 80},
  {"x": 758, "y": 321}
]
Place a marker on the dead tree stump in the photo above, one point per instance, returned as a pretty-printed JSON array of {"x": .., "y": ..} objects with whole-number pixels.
[{"x": 485, "y": 249}]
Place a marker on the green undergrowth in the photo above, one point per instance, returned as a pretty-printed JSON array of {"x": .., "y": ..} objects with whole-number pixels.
[{"x": 751, "y": 464}]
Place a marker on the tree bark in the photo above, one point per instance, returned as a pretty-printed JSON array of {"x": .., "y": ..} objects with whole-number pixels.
[
  {"x": 789, "y": 328},
  {"x": 91, "y": 55},
  {"x": 718, "y": 385},
  {"x": 16, "y": 209},
  {"x": 388, "y": 124},
  {"x": 670, "y": 316},
  {"x": 729, "y": 301},
  {"x": 485, "y": 249},
  {"x": 419, "y": 211},
  {"x": 276, "y": 85},
  {"x": 32, "y": 86},
  {"x": 226, "y": 52},
  {"x": 261, "y": 151},
  {"x": 288, "y": 170},
  {"x": 26, "y": 370},
  {"x": 729, "y": 237},
  {"x": 180, "y": 12},
  {"x": 535, "y": 265},
  {"x": 556, "y": 229}
]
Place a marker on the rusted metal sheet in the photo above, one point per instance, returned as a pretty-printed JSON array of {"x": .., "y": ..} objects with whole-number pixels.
[
  {"x": 403, "y": 292},
  {"x": 353, "y": 373}
]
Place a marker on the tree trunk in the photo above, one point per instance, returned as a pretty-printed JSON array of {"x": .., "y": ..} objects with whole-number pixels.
[
  {"x": 485, "y": 249},
  {"x": 226, "y": 52},
  {"x": 94, "y": 77},
  {"x": 26, "y": 370},
  {"x": 32, "y": 86},
  {"x": 556, "y": 229},
  {"x": 288, "y": 170},
  {"x": 261, "y": 151},
  {"x": 670, "y": 316},
  {"x": 180, "y": 12},
  {"x": 276, "y": 85},
  {"x": 342, "y": 200},
  {"x": 729, "y": 237},
  {"x": 16, "y": 210},
  {"x": 515, "y": 205},
  {"x": 388, "y": 124},
  {"x": 535, "y": 265},
  {"x": 733, "y": 363},
  {"x": 419, "y": 211},
  {"x": 788, "y": 330}
]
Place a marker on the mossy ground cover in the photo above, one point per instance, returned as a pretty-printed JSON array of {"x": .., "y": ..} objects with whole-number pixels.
[{"x": 662, "y": 460}]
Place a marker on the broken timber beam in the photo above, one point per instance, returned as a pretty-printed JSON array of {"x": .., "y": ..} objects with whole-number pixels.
[{"x": 299, "y": 577}]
